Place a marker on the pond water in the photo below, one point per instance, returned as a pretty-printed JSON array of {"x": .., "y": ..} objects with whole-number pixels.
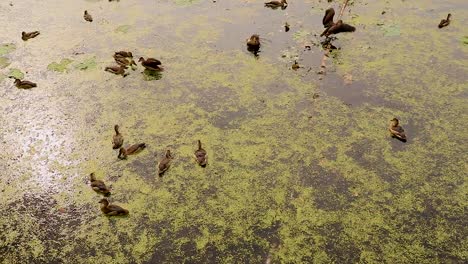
[{"x": 301, "y": 166}]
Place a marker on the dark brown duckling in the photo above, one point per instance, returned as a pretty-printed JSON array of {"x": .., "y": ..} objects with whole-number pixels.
[
  {"x": 286, "y": 27},
  {"x": 445, "y": 22},
  {"x": 338, "y": 27},
  {"x": 123, "y": 53},
  {"x": 25, "y": 36},
  {"x": 122, "y": 61},
  {"x": 111, "y": 209},
  {"x": 98, "y": 185},
  {"x": 396, "y": 130},
  {"x": 23, "y": 84},
  {"x": 133, "y": 149},
  {"x": 87, "y": 16},
  {"x": 327, "y": 20},
  {"x": 253, "y": 43},
  {"x": 201, "y": 155},
  {"x": 118, "y": 70},
  {"x": 117, "y": 139},
  {"x": 150, "y": 64},
  {"x": 295, "y": 66},
  {"x": 275, "y": 4},
  {"x": 164, "y": 163}
]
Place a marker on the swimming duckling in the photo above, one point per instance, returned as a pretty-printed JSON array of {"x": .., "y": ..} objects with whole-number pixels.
[
  {"x": 117, "y": 139},
  {"x": 338, "y": 27},
  {"x": 286, "y": 27},
  {"x": 133, "y": 149},
  {"x": 122, "y": 61},
  {"x": 201, "y": 156},
  {"x": 445, "y": 22},
  {"x": 327, "y": 20},
  {"x": 150, "y": 64},
  {"x": 25, "y": 36},
  {"x": 23, "y": 84},
  {"x": 118, "y": 70},
  {"x": 87, "y": 16},
  {"x": 111, "y": 209},
  {"x": 275, "y": 4},
  {"x": 164, "y": 163},
  {"x": 295, "y": 66},
  {"x": 98, "y": 185},
  {"x": 122, "y": 53},
  {"x": 253, "y": 43},
  {"x": 396, "y": 130}
]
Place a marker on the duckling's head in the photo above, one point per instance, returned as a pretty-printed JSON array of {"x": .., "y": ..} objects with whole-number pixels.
[
  {"x": 86, "y": 12},
  {"x": 91, "y": 177},
  {"x": 116, "y": 128},
  {"x": 23, "y": 33},
  {"x": 394, "y": 122},
  {"x": 104, "y": 201},
  {"x": 168, "y": 154},
  {"x": 141, "y": 59}
]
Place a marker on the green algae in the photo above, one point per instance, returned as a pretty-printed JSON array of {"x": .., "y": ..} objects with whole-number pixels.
[
  {"x": 6, "y": 48},
  {"x": 61, "y": 66},
  {"x": 4, "y": 62},
  {"x": 87, "y": 64},
  {"x": 149, "y": 75},
  {"x": 16, "y": 73}
]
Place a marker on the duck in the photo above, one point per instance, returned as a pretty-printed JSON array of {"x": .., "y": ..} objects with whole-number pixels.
[
  {"x": 275, "y": 4},
  {"x": 253, "y": 43},
  {"x": 338, "y": 27},
  {"x": 87, "y": 16},
  {"x": 164, "y": 163},
  {"x": 327, "y": 20},
  {"x": 23, "y": 84},
  {"x": 117, "y": 139},
  {"x": 200, "y": 155},
  {"x": 98, "y": 185},
  {"x": 111, "y": 209},
  {"x": 295, "y": 66},
  {"x": 28, "y": 35},
  {"x": 445, "y": 22},
  {"x": 396, "y": 130},
  {"x": 118, "y": 70},
  {"x": 123, "y": 53},
  {"x": 133, "y": 149},
  {"x": 150, "y": 64}
]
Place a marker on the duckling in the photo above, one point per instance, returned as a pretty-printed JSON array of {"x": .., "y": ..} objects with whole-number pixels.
[
  {"x": 98, "y": 185},
  {"x": 25, "y": 36},
  {"x": 118, "y": 70},
  {"x": 122, "y": 61},
  {"x": 396, "y": 130},
  {"x": 275, "y": 4},
  {"x": 122, "y": 53},
  {"x": 286, "y": 27},
  {"x": 295, "y": 66},
  {"x": 150, "y": 64},
  {"x": 133, "y": 149},
  {"x": 201, "y": 156},
  {"x": 327, "y": 20},
  {"x": 111, "y": 209},
  {"x": 117, "y": 139},
  {"x": 338, "y": 27},
  {"x": 87, "y": 16},
  {"x": 445, "y": 22},
  {"x": 23, "y": 84},
  {"x": 253, "y": 43},
  {"x": 164, "y": 163}
]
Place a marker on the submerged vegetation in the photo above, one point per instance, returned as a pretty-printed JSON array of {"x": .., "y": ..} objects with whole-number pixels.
[{"x": 302, "y": 167}]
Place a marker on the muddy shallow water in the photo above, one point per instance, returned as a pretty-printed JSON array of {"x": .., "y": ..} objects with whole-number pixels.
[{"x": 301, "y": 166}]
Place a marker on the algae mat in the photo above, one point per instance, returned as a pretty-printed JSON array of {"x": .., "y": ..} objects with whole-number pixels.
[{"x": 301, "y": 166}]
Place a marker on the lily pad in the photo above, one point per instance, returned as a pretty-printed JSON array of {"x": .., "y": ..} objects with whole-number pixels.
[
  {"x": 151, "y": 75},
  {"x": 16, "y": 73},
  {"x": 87, "y": 64},
  {"x": 60, "y": 67},
  {"x": 391, "y": 30},
  {"x": 122, "y": 29},
  {"x": 4, "y": 62},
  {"x": 7, "y": 48}
]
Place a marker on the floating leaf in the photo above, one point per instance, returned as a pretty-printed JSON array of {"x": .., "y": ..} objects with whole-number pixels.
[{"x": 60, "y": 67}]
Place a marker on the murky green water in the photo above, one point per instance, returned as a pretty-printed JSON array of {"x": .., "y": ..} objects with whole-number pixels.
[{"x": 301, "y": 166}]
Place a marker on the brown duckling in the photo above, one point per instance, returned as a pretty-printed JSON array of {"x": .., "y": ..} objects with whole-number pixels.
[
  {"x": 286, "y": 27},
  {"x": 117, "y": 139},
  {"x": 126, "y": 54},
  {"x": 164, "y": 163},
  {"x": 253, "y": 43},
  {"x": 23, "y": 84},
  {"x": 98, "y": 185},
  {"x": 87, "y": 16},
  {"x": 275, "y": 4},
  {"x": 327, "y": 20},
  {"x": 201, "y": 155},
  {"x": 295, "y": 66},
  {"x": 118, "y": 70},
  {"x": 111, "y": 209},
  {"x": 445, "y": 22},
  {"x": 133, "y": 149},
  {"x": 338, "y": 27},
  {"x": 25, "y": 36},
  {"x": 122, "y": 61},
  {"x": 150, "y": 64},
  {"x": 396, "y": 130}
]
